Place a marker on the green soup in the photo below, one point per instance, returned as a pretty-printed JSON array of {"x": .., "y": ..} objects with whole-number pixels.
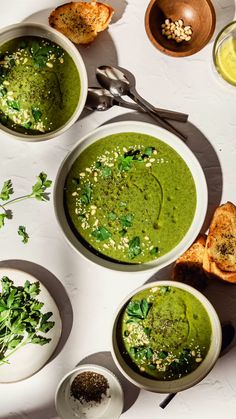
[
  {"x": 165, "y": 332},
  {"x": 130, "y": 197},
  {"x": 39, "y": 85}
]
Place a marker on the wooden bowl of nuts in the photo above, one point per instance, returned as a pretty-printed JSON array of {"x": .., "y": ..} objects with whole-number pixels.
[{"x": 180, "y": 28}]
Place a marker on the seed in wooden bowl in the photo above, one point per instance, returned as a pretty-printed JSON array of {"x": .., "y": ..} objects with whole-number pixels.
[{"x": 177, "y": 30}]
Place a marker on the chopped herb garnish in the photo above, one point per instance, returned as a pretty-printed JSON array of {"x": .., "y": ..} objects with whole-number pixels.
[
  {"x": 142, "y": 352},
  {"x": 148, "y": 151},
  {"x": 125, "y": 163},
  {"x": 134, "y": 247},
  {"x": 164, "y": 289},
  {"x": 3, "y": 91},
  {"x": 27, "y": 125},
  {"x": 127, "y": 220},
  {"x": 22, "y": 232},
  {"x": 86, "y": 194},
  {"x": 147, "y": 331},
  {"x": 106, "y": 171},
  {"x": 126, "y": 333},
  {"x": 163, "y": 354},
  {"x": 123, "y": 232},
  {"x": 98, "y": 164},
  {"x": 14, "y": 104},
  {"x": 101, "y": 234},
  {"x": 112, "y": 216},
  {"x": 37, "y": 114},
  {"x": 154, "y": 251}
]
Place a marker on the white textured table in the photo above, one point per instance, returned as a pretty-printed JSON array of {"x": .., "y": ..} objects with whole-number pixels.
[{"x": 187, "y": 85}]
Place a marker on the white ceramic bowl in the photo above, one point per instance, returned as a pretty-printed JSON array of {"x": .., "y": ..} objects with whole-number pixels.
[
  {"x": 182, "y": 150},
  {"x": 34, "y": 29},
  {"x": 187, "y": 381},
  {"x": 69, "y": 408}
]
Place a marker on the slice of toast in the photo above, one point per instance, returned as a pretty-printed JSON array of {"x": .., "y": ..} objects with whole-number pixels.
[
  {"x": 188, "y": 268},
  {"x": 220, "y": 252},
  {"x": 81, "y": 21}
]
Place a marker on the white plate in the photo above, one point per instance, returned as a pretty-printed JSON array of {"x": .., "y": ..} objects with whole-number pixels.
[
  {"x": 110, "y": 408},
  {"x": 31, "y": 358}
]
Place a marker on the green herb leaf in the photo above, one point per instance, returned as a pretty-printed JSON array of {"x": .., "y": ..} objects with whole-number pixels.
[
  {"x": 27, "y": 125},
  {"x": 101, "y": 233},
  {"x": 106, "y": 171},
  {"x": 2, "y": 219},
  {"x": 164, "y": 289},
  {"x": 147, "y": 331},
  {"x": 98, "y": 164},
  {"x": 7, "y": 190},
  {"x": 37, "y": 114},
  {"x": 123, "y": 232},
  {"x": 138, "y": 309},
  {"x": 127, "y": 220},
  {"x": 148, "y": 151},
  {"x": 154, "y": 251},
  {"x": 125, "y": 163},
  {"x": 3, "y": 91},
  {"x": 14, "y": 104},
  {"x": 163, "y": 354},
  {"x": 142, "y": 352},
  {"x": 112, "y": 216},
  {"x": 40, "y": 340},
  {"x": 22, "y": 232},
  {"x": 39, "y": 188},
  {"x": 86, "y": 194},
  {"x": 134, "y": 247}
]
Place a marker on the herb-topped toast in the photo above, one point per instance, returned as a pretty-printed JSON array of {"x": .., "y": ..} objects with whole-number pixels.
[
  {"x": 220, "y": 252},
  {"x": 81, "y": 21}
]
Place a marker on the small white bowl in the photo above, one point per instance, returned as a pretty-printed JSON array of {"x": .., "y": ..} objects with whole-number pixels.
[
  {"x": 35, "y": 29},
  {"x": 69, "y": 408},
  {"x": 187, "y": 381},
  {"x": 172, "y": 141}
]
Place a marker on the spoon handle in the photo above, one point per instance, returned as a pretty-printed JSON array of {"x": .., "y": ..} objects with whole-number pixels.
[
  {"x": 162, "y": 113},
  {"x": 159, "y": 120}
]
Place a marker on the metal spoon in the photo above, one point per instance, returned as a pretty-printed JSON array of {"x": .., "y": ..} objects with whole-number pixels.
[
  {"x": 114, "y": 79},
  {"x": 102, "y": 100}
]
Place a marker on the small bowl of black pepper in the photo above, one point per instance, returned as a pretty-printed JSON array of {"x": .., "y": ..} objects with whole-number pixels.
[{"x": 89, "y": 392}]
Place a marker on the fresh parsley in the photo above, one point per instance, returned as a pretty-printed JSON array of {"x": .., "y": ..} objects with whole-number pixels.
[
  {"x": 101, "y": 233},
  {"x": 39, "y": 192},
  {"x": 21, "y": 318},
  {"x": 134, "y": 247},
  {"x": 86, "y": 194},
  {"x": 22, "y": 232}
]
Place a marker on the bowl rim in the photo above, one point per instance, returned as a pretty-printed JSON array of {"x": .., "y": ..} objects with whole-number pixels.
[
  {"x": 173, "y": 386},
  {"x": 169, "y": 52},
  {"x": 90, "y": 367},
  {"x": 170, "y": 139},
  {"x": 70, "y": 48}
]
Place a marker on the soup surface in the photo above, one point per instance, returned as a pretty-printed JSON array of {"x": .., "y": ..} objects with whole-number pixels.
[
  {"x": 165, "y": 332},
  {"x": 39, "y": 85},
  {"x": 130, "y": 197}
]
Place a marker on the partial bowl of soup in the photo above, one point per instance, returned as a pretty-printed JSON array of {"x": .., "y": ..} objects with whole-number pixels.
[
  {"x": 130, "y": 196},
  {"x": 166, "y": 337},
  {"x": 43, "y": 82}
]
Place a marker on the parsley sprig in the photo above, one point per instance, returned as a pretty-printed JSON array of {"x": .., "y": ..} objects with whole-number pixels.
[
  {"x": 21, "y": 318},
  {"x": 39, "y": 192}
]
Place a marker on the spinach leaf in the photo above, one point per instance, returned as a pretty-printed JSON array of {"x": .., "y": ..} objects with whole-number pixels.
[
  {"x": 101, "y": 233},
  {"x": 134, "y": 247},
  {"x": 142, "y": 352}
]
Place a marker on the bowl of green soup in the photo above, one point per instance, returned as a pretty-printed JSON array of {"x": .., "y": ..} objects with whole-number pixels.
[
  {"x": 166, "y": 337},
  {"x": 43, "y": 82},
  {"x": 130, "y": 197}
]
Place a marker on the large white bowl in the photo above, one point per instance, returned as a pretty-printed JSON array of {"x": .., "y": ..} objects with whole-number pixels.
[
  {"x": 35, "y": 29},
  {"x": 182, "y": 150},
  {"x": 187, "y": 381}
]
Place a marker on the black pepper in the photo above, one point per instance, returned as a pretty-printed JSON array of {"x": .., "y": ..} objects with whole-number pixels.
[{"x": 89, "y": 387}]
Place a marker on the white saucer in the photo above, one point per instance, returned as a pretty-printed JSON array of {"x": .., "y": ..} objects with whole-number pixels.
[
  {"x": 69, "y": 408},
  {"x": 31, "y": 358}
]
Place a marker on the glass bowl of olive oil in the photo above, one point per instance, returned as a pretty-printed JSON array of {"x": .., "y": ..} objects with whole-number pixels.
[{"x": 224, "y": 53}]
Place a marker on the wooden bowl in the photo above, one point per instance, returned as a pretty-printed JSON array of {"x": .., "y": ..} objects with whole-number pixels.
[{"x": 200, "y": 14}]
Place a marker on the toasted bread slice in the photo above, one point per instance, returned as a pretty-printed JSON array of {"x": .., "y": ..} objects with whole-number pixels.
[
  {"x": 189, "y": 267},
  {"x": 81, "y": 21},
  {"x": 220, "y": 252}
]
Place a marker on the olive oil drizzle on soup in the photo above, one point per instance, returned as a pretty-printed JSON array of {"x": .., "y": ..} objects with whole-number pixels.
[
  {"x": 165, "y": 332},
  {"x": 131, "y": 197},
  {"x": 39, "y": 85}
]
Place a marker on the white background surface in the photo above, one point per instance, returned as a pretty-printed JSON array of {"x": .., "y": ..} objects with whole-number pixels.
[{"x": 186, "y": 84}]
